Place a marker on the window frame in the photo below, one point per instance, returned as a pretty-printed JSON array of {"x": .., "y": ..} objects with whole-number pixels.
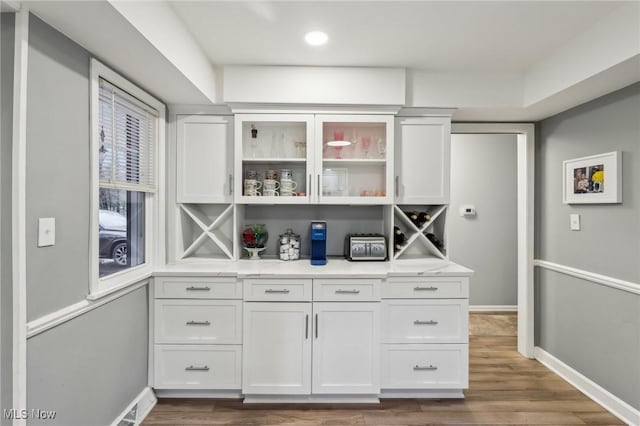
[{"x": 154, "y": 213}]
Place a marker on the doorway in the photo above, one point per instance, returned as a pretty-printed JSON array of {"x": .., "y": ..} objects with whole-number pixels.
[{"x": 524, "y": 134}]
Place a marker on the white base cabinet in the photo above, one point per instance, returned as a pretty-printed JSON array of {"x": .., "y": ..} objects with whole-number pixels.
[
  {"x": 345, "y": 348},
  {"x": 311, "y": 339},
  {"x": 277, "y": 348}
]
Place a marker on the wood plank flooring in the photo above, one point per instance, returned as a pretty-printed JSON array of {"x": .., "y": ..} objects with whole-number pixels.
[{"x": 504, "y": 388}]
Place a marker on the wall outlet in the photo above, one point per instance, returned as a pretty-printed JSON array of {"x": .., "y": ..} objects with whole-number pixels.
[
  {"x": 46, "y": 231},
  {"x": 574, "y": 219}
]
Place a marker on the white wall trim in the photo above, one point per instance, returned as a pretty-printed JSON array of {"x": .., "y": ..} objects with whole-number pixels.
[
  {"x": 526, "y": 187},
  {"x": 493, "y": 308},
  {"x": 605, "y": 280},
  {"x": 18, "y": 214},
  {"x": 154, "y": 205},
  {"x": 597, "y": 393},
  {"x": 146, "y": 400},
  {"x": 70, "y": 312}
]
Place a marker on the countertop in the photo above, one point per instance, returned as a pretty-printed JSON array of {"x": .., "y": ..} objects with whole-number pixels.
[{"x": 335, "y": 268}]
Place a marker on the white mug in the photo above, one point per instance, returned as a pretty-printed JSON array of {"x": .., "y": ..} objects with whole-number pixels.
[
  {"x": 270, "y": 193},
  {"x": 271, "y": 185},
  {"x": 287, "y": 185}
]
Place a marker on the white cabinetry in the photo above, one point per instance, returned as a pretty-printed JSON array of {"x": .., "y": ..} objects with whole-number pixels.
[
  {"x": 290, "y": 344},
  {"x": 425, "y": 336},
  {"x": 197, "y": 334},
  {"x": 422, "y": 164},
  {"x": 334, "y": 159},
  {"x": 204, "y": 159},
  {"x": 345, "y": 348},
  {"x": 277, "y": 348}
]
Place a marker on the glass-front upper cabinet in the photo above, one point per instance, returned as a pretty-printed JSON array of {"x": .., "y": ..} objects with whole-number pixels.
[
  {"x": 354, "y": 158},
  {"x": 274, "y": 158}
]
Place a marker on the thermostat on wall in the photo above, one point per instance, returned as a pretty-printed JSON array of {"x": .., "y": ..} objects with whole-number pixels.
[{"x": 468, "y": 210}]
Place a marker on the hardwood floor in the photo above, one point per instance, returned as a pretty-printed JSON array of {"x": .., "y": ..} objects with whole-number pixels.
[{"x": 504, "y": 388}]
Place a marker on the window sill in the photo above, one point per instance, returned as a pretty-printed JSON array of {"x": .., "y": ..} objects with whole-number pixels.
[{"x": 133, "y": 280}]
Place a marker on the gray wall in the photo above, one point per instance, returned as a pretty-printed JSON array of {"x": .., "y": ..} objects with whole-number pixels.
[
  {"x": 592, "y": 328},
  {"x": 57, "y": 169},
  {"x": 483, "y": 173},
  {"x": 89, "y": 368},
  {"x": 7, "y": 37}
]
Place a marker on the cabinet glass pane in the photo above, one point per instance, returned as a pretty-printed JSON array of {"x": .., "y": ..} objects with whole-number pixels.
[
  {"x": 354, "y": 159},
  {"x": 274, "y": 158}
]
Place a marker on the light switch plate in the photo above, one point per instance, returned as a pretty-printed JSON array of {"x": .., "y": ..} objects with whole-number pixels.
[
  {"x": 574, "y": 218},
  {"x": 46, "y": 231}
]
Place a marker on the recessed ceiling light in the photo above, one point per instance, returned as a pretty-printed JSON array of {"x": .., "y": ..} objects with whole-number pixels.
[{"x": 316, "y": 38}]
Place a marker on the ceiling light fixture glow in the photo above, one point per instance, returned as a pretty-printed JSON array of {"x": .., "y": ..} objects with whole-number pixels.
[{"x": 316, "y": 38}]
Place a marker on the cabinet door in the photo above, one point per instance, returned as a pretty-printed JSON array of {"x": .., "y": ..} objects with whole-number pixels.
[
  {"x": 422, "y": 160},
  {"x": 204, "y": 159},
  {"x": 346, "y": 348},
  {"x": 273, "y": 158},
  {"x": 354, "y": 159},
  {"x": 276, "y": 355}
]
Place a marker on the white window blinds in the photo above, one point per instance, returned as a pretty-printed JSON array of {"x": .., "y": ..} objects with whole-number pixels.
[{"x": 127, "y": 137}]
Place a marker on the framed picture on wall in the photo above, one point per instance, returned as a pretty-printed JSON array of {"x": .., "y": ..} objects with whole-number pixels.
[{"x": 596, "y": 179}]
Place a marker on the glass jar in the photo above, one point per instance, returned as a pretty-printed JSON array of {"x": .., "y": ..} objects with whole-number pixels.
[{"x": 289, "y": 245}]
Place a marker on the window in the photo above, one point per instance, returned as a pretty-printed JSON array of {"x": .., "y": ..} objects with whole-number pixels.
[{"x": 127, "y": 128}]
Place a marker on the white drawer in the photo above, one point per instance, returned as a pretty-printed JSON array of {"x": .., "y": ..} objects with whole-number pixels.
[
  {"x": 197, "y": 288},
  {"x": 425, "y": 366},
  {"x": 425, "y": 321},
  {"x": 198, "y": 321},
  {"x": 277, "y": 290},
  {"x": 348, "y": 290},
  {"x": 426, "y": 288},
  {"x": 198, "y": 366}
]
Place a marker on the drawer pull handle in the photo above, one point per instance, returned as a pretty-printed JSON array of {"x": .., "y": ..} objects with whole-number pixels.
[
  {"x": 284, "y": 291},
  {"x": 192, "y": 368},
  {"x": 198, "y": 323},
  {"x": 430, "y": 322},
  {"x": 425, "y": 367},
  {"x": 347, "y": 291},
  {"x": 193, "y": 288},
  {"x": 425, "y": 288}
]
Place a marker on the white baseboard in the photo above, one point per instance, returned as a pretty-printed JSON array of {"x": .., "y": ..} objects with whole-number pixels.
[
  {"x": 493, "y": 308},
  {"x": 597, "y": 393},
  {"x": 146, "y": 400}
]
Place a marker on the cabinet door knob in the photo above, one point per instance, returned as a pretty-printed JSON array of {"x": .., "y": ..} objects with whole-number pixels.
[
  {"x": 397, "y": 186},
  {"x": 316, "y": 326},
  {"x": 283, "y": 291},
  {"x": 430, "y": 322},
  {"x": 339, "y": 291},
  {"x": 230, "y": 184}
]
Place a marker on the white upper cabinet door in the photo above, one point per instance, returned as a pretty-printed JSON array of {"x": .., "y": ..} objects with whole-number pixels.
[
  {"x": 204, "y": 159},
  {"x": 422, "y": 163},
  {"x": 354, "y": 159},
  {"x": 276, "y": 348},
  {"x": 346, "y": 348}
]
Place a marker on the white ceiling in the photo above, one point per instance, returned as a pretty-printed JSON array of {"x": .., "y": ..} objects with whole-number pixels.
[{"x": 438, "y": 36}]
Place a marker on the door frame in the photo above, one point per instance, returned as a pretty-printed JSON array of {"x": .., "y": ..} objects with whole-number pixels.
[{"x": 525, "y": 133}]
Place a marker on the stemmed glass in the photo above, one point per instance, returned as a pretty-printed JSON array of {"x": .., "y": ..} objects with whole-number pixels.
[{"x": 366, "y": 143}]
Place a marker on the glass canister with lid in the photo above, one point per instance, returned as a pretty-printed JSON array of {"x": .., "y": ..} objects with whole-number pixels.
[{"x": 289, "y": 245}]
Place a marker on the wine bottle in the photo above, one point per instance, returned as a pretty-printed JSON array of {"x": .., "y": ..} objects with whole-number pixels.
[{"x": 423, "y": 217}]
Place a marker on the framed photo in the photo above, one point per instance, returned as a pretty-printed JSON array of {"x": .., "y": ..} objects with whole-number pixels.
[{"x": 596, "y": 179}]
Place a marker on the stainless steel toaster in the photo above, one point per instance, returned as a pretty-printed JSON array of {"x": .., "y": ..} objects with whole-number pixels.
[{"x": 365, "y": 247}]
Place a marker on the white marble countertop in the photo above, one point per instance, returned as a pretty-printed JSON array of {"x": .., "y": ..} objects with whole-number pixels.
[{"x": 335, "y": 268}]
